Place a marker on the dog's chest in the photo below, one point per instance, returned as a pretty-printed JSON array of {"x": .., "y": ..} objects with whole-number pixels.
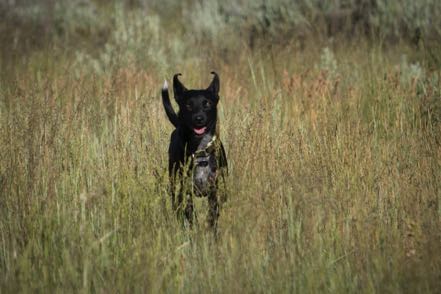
[{"x": 204, "y": 166}]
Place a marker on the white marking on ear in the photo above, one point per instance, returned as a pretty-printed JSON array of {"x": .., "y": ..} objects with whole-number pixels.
[{"x": 165, "y": 87}]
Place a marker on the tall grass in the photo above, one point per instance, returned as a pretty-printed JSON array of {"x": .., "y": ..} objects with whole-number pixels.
[
  {"x": 333, "y": 147},
  {"x": 334, "y": 183}
]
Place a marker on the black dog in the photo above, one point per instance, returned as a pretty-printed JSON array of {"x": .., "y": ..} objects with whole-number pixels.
[{"x": 195, "y": 150}]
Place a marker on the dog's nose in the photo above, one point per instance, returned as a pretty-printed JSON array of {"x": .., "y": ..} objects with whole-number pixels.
[{"x": 199, "y": 119}]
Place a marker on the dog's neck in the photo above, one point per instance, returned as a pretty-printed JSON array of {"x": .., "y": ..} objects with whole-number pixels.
[
  {"x": 199, "y": 143},
  {"x": 205, "y": 141}
]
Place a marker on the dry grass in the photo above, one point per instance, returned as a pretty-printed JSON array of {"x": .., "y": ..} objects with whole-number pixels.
[{"x": 334, "y": 183}]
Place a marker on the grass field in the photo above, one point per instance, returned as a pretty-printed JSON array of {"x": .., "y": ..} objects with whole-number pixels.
[{"x": 334, "y": 185}]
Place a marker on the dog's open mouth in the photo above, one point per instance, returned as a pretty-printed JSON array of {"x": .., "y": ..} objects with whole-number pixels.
[{"x": 199, "y": 131}]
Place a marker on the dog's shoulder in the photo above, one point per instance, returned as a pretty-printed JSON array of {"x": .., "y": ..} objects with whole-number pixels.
[{"x": 177, "y": 142}]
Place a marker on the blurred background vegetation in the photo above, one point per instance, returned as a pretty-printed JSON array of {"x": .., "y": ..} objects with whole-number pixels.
[{"x": 149, "y": 30}]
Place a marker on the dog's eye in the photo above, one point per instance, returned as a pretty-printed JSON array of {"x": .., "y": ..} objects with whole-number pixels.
[
  {"x": 188, "y": 106},
  {"x": 206, "y": 104}
]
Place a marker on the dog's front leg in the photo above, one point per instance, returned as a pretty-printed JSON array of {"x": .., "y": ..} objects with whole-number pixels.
[
  {"x": 189, "y": 210},
  {"x": 184, "y": 209},
  {"x": 213, "y": 213},
  {"x": 174, "y": 176}
]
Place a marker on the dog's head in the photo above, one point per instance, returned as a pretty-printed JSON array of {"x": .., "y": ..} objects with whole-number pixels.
[{"x": 197, "y": 108}]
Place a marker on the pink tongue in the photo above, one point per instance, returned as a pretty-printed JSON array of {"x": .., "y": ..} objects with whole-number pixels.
[{"x": 200, "y": 131}]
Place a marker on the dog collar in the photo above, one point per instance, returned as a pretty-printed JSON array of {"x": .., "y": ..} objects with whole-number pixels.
[{"x": 210, "y": 148}]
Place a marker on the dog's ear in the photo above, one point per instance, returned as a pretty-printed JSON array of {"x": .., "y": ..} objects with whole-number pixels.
[
  {"x": 178, "y": 87},
  {"x": 214, "y": 86}
]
